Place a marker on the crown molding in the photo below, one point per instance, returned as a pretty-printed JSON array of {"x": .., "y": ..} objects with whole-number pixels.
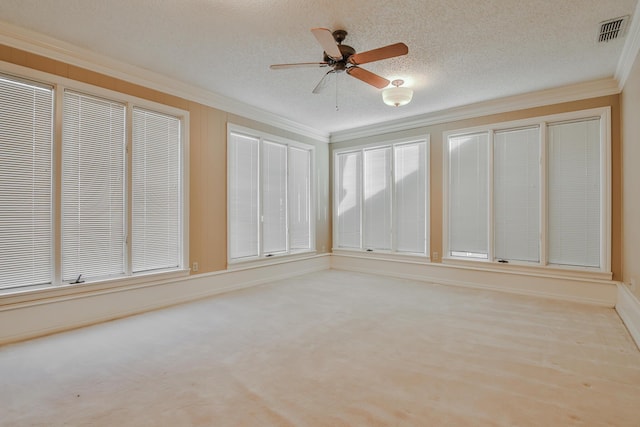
[
  {"x": 49, "y": 47},
  {"x": 575, "y": 92},
  {"x": 629, "y": 50}
]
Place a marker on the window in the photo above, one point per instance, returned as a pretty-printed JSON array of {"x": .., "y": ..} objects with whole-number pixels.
[
  {"x": 26, "y": 120},
  {"x": 380, "y": 198},
  {"x": 410, "y": 179},
  {"x": 516, "y": 194},
  {"x": 244, "y": 213},
  {"x": 377, "y": 198},
  {"x": 120, "y": 197},
  {"x": 93, "y": 223},
  {"x": 156, "y": 196},
  {"x": 274, "y": 197},
  {"x": 531, "y": 192},
  {"x": 468, "y": 185},
  {"x": 269, "y": 196},
  {"x": 574, "y": 193},
  {"x": 348, "y": 199},
  {"x": 300, "y": 199}
]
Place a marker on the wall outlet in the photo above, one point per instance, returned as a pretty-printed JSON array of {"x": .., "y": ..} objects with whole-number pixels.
[
  {"x": 435, "y": 256},
  {"x": 195, "y": 267}
]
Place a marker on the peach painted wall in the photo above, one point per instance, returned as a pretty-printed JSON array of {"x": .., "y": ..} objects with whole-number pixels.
[
  {"x": 207, "y": 168},
  {"x": 630, "y": 154},
  {"x": 436, "y": 156},
  {"x": 208, "y": 211}
]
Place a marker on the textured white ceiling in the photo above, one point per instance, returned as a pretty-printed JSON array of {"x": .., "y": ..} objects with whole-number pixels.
[{"x": 460, "y": 51}]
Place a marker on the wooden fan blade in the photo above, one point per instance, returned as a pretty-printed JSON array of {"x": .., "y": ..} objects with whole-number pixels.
[
  {"x": 368, "y": 77},
  {"x": 328, "y": 43},
  {"x": 390, "y": 51},
  {"x": 322, "y": 83},
  {"x": 299, "y": 65}
]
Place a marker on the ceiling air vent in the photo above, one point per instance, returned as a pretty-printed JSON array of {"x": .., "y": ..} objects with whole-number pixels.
[{"x": 612, "y": 29}]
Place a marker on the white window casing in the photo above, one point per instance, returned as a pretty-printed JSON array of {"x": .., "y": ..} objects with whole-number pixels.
[
  {"x": 90, "y": 184},
  {"x": 269, "y": 196},
  {"x": 381, "y": 198},
  {"x": 548, "y": 192}
]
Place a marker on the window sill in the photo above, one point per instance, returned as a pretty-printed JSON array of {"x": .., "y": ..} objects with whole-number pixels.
[
  {"x": 41, "y": 292},
  {"x": 275, "y": 259},
  {"x": 399, "y": 256},
  {"x": 524, "y": 268}
]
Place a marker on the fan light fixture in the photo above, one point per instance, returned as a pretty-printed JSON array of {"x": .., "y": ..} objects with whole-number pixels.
[{"x": 397, "y": 96}]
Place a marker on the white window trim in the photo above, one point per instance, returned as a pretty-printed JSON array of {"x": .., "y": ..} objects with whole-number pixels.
[
  {"x": 604, "y": 114},
  {"x": 390, "y": 254},
  {"x": 260, "y": 259},
  {"x": 59, "y": 85}
]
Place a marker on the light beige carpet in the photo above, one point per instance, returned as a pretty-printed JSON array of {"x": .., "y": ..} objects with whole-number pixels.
[{"x": 333, "y": 349}]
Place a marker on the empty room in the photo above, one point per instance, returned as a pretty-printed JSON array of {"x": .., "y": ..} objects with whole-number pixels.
[{"x": 297, "y": 213}]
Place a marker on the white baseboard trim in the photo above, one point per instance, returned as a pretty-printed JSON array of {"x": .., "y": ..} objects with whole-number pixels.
[
  {"x": 594, "y": 292},
  {"x": 40, "y": 317},
  {"x": 628, "y": 308}
]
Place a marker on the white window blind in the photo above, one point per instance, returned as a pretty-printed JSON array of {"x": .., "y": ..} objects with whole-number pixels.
[
  {"x": 348, "y": 199},
  {"x": 410, "y": 197},
  {"x": 93, "y": 140},
  {"x": 377, "y": 198},
  {"x": 380, "y": 198},
  {"x": 156, "y": 196},
  {"x": 468, "y": 195},
  {"x": 574, "y": 193},
  {"x": 274, "y": 197},
  {"x": 269, "y": 196},
  {"x": 26, "y": 137},
  {"x": 299, "y": 198},
  {"x": 516, "y": 192},
  {"x": 243, "y": 196}
]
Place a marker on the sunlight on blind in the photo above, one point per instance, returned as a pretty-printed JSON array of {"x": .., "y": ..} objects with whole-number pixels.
[
  {"x": 377, "y": 198},
  {"x": 410, "y": 197},
  {"x": 348, "y": 199}
]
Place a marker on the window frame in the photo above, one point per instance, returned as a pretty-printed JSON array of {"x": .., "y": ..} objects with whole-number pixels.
[
  {"x": 59, "y": 85},
  {"x": 604, "y": 115},
  {"x": 264, "y": 137},
  {"x": 393, "y": 252}
]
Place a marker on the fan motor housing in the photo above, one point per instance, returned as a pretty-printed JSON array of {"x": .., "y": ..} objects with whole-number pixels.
[{"x": 346, "y": 52}]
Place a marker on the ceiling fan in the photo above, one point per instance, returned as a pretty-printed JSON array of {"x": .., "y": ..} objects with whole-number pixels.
[{"x": 343, "y": 58}]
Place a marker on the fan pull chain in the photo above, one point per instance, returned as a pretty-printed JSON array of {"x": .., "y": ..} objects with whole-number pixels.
[{"x": 337, "y": 108}]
